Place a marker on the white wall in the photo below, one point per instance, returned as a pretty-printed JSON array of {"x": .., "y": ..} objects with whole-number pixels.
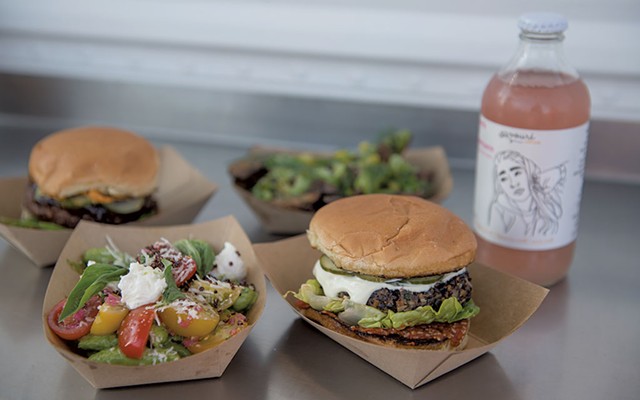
[{"x": 413, "y": 52}]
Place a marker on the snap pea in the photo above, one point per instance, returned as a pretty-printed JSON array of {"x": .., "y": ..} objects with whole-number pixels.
[
  {"x": 113, "y": 355},
  {"x": 158, "y": 336},
  {"x": 97, "y": 342},
  {"x": 246, "y": 299},
  {"x": 178, "y": 348}
]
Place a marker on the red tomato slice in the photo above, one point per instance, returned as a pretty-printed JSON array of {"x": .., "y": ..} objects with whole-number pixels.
[
  {"x": 77, "y": 325},
  {"x": 134, "y": 331},
  {"x": 184, "y": 271},
  {"x": 301, "y": 304}
]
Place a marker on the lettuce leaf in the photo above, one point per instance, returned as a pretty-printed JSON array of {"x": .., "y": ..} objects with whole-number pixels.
[
  {"x": 369, "y": 317},
  {"x": 311, "y": 293}
]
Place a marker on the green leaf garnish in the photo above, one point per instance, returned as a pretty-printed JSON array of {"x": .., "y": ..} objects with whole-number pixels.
[
  {"x": 94, "y": 278},
  {"x": 200, "y": 251},
  {"x": 171, "y": 293}
]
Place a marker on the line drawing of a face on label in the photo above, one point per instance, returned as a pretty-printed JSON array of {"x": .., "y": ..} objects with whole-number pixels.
[{"x": 526, "y": 200}]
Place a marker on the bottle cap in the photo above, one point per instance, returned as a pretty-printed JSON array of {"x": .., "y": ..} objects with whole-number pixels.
[{"x": 543, "y": 22}]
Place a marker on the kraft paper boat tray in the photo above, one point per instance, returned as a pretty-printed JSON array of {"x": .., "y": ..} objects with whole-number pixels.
[
  {"x": 131, "y": 239},
  {"x": 280, "y": 220},
  {"x": 288, "y": 263},
  {"x": 182, "y": 192}
]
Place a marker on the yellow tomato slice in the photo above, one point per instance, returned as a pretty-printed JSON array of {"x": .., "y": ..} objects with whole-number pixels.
[
  {"x": 108, "y": 319},
  {"x": 223, "y": 331},
  {"x": 189, "y": 319},
  {"x": 207, "y": 342}
]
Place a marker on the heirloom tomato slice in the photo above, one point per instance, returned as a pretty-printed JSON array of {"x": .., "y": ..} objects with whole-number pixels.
[
  {"x": 77, "y": 325},
  {"x": 134, "y": 331}
]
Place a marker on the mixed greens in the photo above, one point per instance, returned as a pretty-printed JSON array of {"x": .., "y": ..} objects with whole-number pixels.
[
  {"x": 308, "y": 181},
  {"x": 170, "y": 301}
]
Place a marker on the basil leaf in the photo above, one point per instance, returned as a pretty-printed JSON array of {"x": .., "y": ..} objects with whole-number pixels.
[
  {"x": 171, "y": 293},
  {"x": 200, "y": 251},
  {"x": 206, "y": 255},
  {"x": 94, "y": 278},
  {"x": 100, "y": 255}
]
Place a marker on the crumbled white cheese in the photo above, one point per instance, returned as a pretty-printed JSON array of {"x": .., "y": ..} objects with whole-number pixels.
[
  {"x": 229, "y": 264},
  {"x": 142, "y": 285}
]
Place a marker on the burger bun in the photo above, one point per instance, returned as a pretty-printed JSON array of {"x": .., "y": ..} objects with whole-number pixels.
[
  {"x": 392, "y": 236},
  {"x": 111, "y": 161}
]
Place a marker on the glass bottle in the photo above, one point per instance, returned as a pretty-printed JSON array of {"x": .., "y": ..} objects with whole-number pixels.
[{"x": 532, "y": 143}]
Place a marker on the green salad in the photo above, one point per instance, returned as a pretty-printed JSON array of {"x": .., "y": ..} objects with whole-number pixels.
[
  {"x": 169, "y": 301},
  {"x": 307, "y": 181}
]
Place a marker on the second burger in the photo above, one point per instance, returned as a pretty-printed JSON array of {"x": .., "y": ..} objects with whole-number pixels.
[
  {"x": 93, "y": 173},
  {"x": 393, "y": 272}
]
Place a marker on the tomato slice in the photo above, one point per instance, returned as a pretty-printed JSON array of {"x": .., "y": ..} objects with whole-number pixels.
[
  {"x": 134, "y": 331},
  {"x": 184, "y": 271},
  {"x": 189, "y": 319},
  {"x": 77, "y": 325},
  {"x": 301, "y": 304}
]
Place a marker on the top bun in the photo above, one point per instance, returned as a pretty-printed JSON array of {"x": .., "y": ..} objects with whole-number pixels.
[
  {"x": 393, "y": 236},
  {"x": 112, "y": 161}
]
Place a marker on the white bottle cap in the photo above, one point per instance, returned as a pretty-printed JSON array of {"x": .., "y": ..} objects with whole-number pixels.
[{"x": 543, "y": 22}]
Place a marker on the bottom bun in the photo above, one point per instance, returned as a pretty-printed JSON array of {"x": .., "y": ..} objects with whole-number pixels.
[{"x": 459, "y": 330}]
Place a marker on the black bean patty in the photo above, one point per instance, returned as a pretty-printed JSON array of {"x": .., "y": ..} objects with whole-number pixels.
[
  {"x": 47, "y": 209},
  {"x": 405, "y": 300}
]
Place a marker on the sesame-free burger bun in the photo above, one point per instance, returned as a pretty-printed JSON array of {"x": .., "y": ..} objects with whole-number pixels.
[
  {"x": 112, "y": 161},
  {"x": 393, "y": 236}
]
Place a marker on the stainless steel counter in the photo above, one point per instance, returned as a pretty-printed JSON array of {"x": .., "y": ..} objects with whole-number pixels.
[{"x": 581, "y": 344}]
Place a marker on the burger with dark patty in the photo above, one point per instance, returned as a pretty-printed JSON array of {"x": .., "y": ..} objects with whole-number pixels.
[
  {"x": 392, "y": 272},
  {"x": 93, "y": 173}
]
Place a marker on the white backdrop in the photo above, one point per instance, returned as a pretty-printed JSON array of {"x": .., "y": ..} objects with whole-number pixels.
[{"x": 410, "y": 52}]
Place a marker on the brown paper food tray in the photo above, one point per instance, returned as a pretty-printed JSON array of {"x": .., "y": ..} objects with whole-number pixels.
[
  {"x": 208, "y": 364},
  {"x": 505, "y": 304},
  {"x": 281, "y": 220},
  {"x": 182, "y": 192}
]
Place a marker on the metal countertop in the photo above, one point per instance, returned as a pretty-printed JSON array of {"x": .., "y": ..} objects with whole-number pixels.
[{"x": 581, "y": 344}]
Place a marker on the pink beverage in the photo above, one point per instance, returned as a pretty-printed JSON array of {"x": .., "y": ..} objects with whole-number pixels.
[{"x": 531, "y": 151}]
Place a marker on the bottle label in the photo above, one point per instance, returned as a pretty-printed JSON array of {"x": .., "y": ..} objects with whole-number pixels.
[{"x": 529, "y": 185}]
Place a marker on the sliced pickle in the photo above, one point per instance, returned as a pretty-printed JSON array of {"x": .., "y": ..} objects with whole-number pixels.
[
  {"x": 126, "y": 206},
  {"x": 327, "y": 264},
  {"x": 371, "y": 278},
  {"x": 424, "y": 280}
]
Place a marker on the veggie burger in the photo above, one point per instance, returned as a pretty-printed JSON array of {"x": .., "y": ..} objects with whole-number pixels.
[
  {"x": 100, "y": 174},
  {"x": 393, "y": 272}
]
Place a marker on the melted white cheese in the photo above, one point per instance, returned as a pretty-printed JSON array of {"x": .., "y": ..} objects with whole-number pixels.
[
  {"x": 142, "y": 285},
  {"x": 360, "y": 290}
]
